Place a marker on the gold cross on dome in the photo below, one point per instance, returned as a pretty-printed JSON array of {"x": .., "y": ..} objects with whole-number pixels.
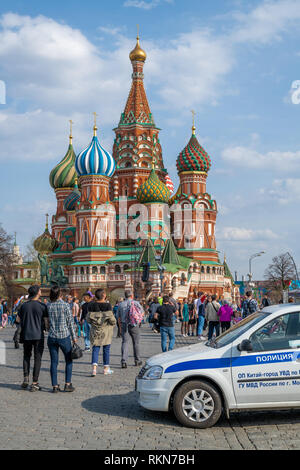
[
  {"x": 194, "y": 114},
  {"x": 95, "y": 123},
  {"x": 71, "y": 130}
]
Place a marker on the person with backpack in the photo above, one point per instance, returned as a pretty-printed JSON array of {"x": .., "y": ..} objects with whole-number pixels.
[
  {"x": 165, "y": 314},
  {"x": 130, "y": 314},
  {"x": 249, "y": 305},
  {"x": 211, "y": 313}
]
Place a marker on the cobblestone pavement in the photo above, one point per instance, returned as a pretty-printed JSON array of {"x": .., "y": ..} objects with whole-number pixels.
[{"x": 103, "y": 412}]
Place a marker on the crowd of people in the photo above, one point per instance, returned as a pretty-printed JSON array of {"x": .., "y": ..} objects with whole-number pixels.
[{"x": 94, "y": 318}]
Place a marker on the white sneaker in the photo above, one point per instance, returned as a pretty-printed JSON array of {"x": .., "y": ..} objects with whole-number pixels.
[
  {"x": 203, "y": 338},
  {"x": 108, "y": 371}
]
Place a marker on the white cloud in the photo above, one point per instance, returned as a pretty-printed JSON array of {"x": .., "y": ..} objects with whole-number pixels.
[
  {"x": 144, "y": 4},
  {"x": 250, "y": 158},
  {"x": 244, "y": 234},
  {"x": 284, "y": 191},
  {"x": 267, "y": 22},
  {"x": 54, "y": 73}
]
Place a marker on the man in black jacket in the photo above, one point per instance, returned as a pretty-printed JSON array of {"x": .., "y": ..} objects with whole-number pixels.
[
  {"x": 33, "y": 321},
  {"x": 165, "y": 315}
]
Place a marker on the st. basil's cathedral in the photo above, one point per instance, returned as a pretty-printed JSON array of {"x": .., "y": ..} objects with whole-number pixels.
[{"x": 90, "y": 244}]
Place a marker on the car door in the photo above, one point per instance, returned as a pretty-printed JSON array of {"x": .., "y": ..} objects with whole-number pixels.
[{"x": 270, "y": 373}]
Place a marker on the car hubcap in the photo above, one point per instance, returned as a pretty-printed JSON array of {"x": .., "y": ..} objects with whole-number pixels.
[{"x": 198, "y": 405}]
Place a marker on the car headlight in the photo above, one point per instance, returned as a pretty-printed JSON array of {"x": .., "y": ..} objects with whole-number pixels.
[{"x": 153, "y": 373}]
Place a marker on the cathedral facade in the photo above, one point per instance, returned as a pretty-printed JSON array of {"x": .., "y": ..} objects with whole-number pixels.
[{"x": 118, "y": 216}]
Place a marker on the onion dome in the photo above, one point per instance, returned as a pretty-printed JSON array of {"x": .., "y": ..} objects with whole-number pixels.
[
  {"x": 64, "y": 174},
  {"x": 153, "y": 190},
  {"x": 138, "y": 53},
  {"x": 193, "y": 157},
  {"x": 95, "y": 160},
  {"x": 169, "y": 183},
  {"x": 45, "y": 243},
  {"x": 72, "y": 199}
]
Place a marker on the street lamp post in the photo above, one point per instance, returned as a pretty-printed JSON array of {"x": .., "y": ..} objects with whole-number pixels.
[{"x": 255, "y": 255}]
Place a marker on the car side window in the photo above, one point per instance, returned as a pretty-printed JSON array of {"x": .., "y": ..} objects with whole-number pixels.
[{"x": 280, "y": 333}]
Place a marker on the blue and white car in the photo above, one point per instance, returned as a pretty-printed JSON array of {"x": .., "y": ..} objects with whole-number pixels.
[{"x": 254, "y": 365}]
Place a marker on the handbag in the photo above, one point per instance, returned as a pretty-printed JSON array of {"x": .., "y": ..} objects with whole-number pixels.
[{"x": 77, "y": 352}]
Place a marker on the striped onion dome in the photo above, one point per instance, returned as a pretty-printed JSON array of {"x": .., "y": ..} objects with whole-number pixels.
[
  {"x": 64, "y": 174},
  {"x": 169, "y": 183},
  {"x": 153, "y": 190},
  {"x": 193, "y": 157},
  {"x": 94, "y": 160},
  {"x": 72, "y": 199}
]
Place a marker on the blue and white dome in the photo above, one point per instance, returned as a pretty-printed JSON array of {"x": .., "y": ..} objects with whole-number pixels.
[{"x": 94, "y": 160}]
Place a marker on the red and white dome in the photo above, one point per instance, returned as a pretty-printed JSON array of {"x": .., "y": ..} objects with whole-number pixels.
[{"x": 169, "y": 183}]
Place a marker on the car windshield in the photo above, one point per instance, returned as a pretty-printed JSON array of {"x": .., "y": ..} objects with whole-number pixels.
[{"x": 237, "y": 330}]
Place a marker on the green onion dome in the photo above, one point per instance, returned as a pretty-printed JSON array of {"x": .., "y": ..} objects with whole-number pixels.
[
  {"x": 193, "y": 157},
  {"x": 153, "y": 190},
  {"x": 45, "y": 243},
  {"x": 64, "y": 174}
]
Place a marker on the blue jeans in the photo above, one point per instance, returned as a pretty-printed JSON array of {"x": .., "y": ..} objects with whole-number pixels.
[
  {"x": 54, "y": 344},
  {"x": 87, "y": 328},
  {"x": 200, "y": 325},
  {"x": 95, "y": 354},
  {"x": 165, "y": 332}
]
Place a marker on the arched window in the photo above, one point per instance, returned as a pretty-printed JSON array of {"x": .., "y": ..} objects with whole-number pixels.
[
  {"x": 117, "y": 269},
  {"x": 102, "y": 270},
  {"x": 95, "y": 270},
  {"x": 128, "y": 165},
  {"x": 126, "y": 267},
  {"x": 202, "y": 270},
  {"x": 82, "y": 270},
  {"x": 208, "y": 270}
]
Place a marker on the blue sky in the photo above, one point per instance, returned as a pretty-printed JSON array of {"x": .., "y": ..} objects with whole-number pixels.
[{"x": 233, "y": 62}]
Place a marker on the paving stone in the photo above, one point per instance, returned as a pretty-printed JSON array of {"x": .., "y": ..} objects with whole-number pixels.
[{"x": 103, "y": 413}]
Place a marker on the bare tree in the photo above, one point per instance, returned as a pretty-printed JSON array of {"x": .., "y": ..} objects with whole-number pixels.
[
  {"x": 7, "y": 261},
  {"x": 281, "y": 270},
  {"x": 31, "y": 255}
]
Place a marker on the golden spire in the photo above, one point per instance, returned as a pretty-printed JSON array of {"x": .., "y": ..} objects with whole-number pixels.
[
  {"x": 138, "y": 53},
  {"x": 193, "y": 128},
  {"x": 47, "y": 225},
  {"x": 71, "y": 129},
  {"x": 153, "y": 162},
  {"x": 95, "y": 124}
]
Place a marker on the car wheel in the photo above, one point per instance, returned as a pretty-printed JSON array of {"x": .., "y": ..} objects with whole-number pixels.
[{"x": 197, "y": 404}]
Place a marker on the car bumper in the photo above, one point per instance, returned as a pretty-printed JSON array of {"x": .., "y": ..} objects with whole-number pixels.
[{"x": 155, "y": 394}]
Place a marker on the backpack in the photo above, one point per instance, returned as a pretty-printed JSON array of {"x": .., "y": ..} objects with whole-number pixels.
[
  {"x": 249, "y": 306},
  {"x": 135, "y": 314}
]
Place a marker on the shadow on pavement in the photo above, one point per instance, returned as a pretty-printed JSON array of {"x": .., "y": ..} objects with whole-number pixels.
[{"x": 126, "y": 406}]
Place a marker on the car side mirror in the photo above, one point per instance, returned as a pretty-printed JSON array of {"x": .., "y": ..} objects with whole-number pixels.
[{"x": 245, "y": 345}]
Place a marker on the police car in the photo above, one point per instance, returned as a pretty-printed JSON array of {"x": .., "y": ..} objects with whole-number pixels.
[{"x": 254, "y": 365}]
